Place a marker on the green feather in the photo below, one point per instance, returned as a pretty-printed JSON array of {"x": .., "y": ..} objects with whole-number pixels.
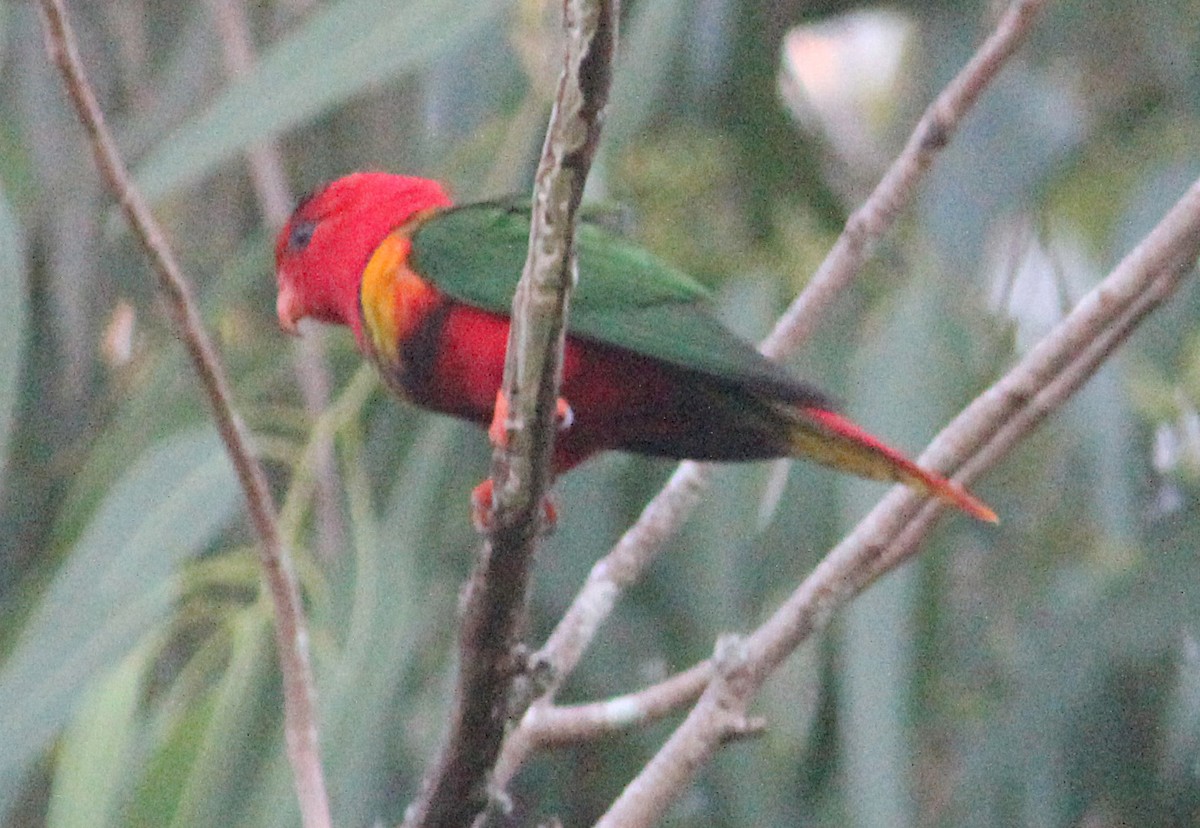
[{"x": 626, "y": 297}]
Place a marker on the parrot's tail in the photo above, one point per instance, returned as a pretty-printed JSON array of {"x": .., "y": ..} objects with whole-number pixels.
[{"x": 831, "y": 440}]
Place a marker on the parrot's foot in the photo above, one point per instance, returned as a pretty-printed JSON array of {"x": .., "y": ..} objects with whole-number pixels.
[
  {"x": 564, "y": 418},
  {"x": 564, "y": 415},
  {"x": 481, "y": 507},
  {"x": 481, "y": 510},
  {"x": 498, "y": 434}
]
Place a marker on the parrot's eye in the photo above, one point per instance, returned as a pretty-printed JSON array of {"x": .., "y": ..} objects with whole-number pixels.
[{"x": 300, "y": 235}]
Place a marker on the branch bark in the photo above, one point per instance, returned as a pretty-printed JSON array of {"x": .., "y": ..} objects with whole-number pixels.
[
  {"x": 551, "y": 726},
  {"x": 278, "y": 574},
  {"x": 495, "y": 596}
]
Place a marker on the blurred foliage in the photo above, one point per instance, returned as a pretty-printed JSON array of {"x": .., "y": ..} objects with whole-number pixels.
[{"x": 1046, "y": 672}]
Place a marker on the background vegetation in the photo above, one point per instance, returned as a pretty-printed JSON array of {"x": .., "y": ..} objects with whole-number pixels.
[{"x": 1046, "y": 672}]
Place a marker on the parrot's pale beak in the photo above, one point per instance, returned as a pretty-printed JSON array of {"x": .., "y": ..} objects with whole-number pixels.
[{"x": 287, "y": 308}]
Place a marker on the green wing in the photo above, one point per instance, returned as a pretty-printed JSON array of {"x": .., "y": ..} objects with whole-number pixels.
[{"x": 626, "y": 297}]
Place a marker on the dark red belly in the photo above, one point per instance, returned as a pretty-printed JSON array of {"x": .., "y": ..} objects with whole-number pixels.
[{"x": 620, "y": 400}]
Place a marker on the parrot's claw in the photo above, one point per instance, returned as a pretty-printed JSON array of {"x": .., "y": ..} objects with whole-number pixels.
[
  {"x": 481, "y": 510},
  {"x": 481, "y": 507},
  {"x": 564, "y": 418},
  {"x": 564, "y": 415},
  {"x": 497, "y": 433}
]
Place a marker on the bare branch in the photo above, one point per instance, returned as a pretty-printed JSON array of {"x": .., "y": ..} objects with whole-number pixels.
[
  {"x": 664, "y": 515},
  {"x": 878, "y": 213},
  {"x": 719, "y": 716},
  {"x": 548, "y": 726},
  {"x": 290, "y": 633},
  {"x": 621, "y": 567},
  {"x": 1168, "y": 255},
  {"x": 888, "y": 536},
  {"x": 494, "y": 603}
]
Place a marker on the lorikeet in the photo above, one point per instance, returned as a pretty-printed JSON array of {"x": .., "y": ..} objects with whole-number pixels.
[{"x": 426, "y": 288}]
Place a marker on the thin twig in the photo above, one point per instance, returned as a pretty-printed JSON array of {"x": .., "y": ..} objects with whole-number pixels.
[
  {"x": 878, "y": 213},
  {"x": 888, "y": 536},
  {"x": 647, "y": 797},
  {"x": 290, "y": 633},
  {"x": 1048, "y": 398},
  {"x": 551, "y": 726},
  {"x": 664, "y": 515},
  {"x": 494, "y": 603}
]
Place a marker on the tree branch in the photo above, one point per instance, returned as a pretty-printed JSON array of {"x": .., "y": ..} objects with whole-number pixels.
[
  {"x": 665, "y": 514},
  {"x": 1131, "y": 303},
  {"x": 290, "y": 632},
  {"x": 647, "y": 797},
  {"x": 494, "y": 603},
  {"x": 890, "y": 534},
  {"x": 549, "y": 726},
  {"x": 871, "y": 222}
]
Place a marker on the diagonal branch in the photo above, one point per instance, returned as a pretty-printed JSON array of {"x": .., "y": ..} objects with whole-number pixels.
[
  {"x": 495, "y": 597},
  {"x": 290, "y": 632},
  {"x": 890, "y": 534},
  {"x": 871, "y": 221},
  {"x": 1040, "y": 406},
  {"x": 664, "y": 515}
]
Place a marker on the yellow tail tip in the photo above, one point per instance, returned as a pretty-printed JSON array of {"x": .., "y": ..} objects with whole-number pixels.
[{"x": 831, "y": 439}]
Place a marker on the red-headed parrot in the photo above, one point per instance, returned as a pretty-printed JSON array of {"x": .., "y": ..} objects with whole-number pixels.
[{"x": 427, "y": 287}]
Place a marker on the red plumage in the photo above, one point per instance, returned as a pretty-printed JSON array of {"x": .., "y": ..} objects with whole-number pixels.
[{"x": 345, "y": 257}]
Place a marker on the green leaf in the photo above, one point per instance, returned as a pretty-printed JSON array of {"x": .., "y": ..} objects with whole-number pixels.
[
  {"x": 116, "y": 584},
  {"x": 339, "y": 52},
  {"x": 876, "y": 686},
  {"x": 168, "y": 770},
  {"x": 91, "y": 768},
  {"x": 242, "y": 733},
  {"x": 386, "y": 628},
  {"x": 13, "y": 313},
  {"x": 908, "y": 378}
]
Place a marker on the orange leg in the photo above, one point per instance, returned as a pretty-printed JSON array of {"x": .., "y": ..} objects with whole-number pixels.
[
  {"x": 481, "y": 497},
  {"x": 564, "y": 418},
  {"x": 481, "y": 509},
  {"x": 498, "y": 431}
]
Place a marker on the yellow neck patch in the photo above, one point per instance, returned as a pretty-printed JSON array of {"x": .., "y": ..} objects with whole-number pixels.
[{"x": 394, "y": 299}]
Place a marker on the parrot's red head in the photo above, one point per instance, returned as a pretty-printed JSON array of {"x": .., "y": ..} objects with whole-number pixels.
[{"x": 321, "y": 252}]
